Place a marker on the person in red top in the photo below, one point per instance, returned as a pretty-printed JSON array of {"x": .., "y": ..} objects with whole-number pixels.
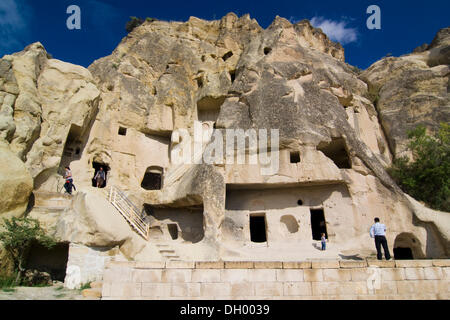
[{"x": 69, "y": 181}]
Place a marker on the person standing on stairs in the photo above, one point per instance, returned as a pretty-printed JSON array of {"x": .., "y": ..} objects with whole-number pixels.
[
  {"x": 100, "y": 177},
  {"x": 69, "y": 181}
]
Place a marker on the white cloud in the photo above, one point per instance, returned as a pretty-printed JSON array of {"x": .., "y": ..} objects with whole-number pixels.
[
  {"x": 336, "y": 30},
  {"x": 13, "y": 26}
]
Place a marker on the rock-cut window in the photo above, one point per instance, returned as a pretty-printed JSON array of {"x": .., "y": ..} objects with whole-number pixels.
[{"x": 152, "y": 178}]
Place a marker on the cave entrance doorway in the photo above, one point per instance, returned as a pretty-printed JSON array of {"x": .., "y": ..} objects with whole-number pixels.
[
  {"x": 318, "y": 224},
  {"x": 407, "y": 247},
  {"x": 173, "y": 230},
  {"x": 152, "y": 178},
  {"x": 258, "y": 228},
  {"x": 52, "y": 261},
  {"x": 403, "y": 254},
  {"x": 97, "y": 166}
]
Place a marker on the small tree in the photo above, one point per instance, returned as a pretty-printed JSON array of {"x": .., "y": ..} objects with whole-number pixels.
[
  {"x": 427, "y": 177},
  {"x": 17, "y": 240}
]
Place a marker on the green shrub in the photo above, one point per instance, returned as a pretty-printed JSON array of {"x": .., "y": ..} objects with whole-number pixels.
[
  {"x": 7, "y": 281},
  {"x": 85, "y": 286},
  {"x": 427, "y": 177},
  {"x": 133, "y": 23},
  {"x": 136, "y": 22},
  {"x": 17, "y": 240}
]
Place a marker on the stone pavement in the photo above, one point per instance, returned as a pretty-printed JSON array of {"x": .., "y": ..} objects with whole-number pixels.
[{"x": 55, "y": 292}]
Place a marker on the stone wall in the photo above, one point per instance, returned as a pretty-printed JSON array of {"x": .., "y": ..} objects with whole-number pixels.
[
  {"x": 87, "y": 264},
  {"x": 325, "y": 279},
  {"x": 275, "y": 204}
]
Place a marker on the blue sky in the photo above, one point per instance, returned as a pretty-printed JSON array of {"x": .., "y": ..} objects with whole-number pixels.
[{"x": 404, "y": 24}]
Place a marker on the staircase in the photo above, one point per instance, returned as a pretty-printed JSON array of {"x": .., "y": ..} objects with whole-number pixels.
[
  {"x": 51, "y": 201},
  {"x": 133, "y": 216},
  {"x": 48, "y": 207},
  {"x": 168, "y": 252},
  {"x": 129, "y": 211}
]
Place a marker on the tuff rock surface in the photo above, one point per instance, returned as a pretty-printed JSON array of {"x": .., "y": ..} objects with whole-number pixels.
[
  {"x": 123, "y": 113},
  {"x": 412, "y": 90}
]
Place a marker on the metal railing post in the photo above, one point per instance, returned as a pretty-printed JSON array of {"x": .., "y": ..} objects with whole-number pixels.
[{"x": 129, "y": 211}]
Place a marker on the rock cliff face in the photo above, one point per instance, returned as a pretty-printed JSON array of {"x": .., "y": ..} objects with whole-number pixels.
[
  {"x": 45, "y": 103},
  {"x": 412, "y": 90},
  {"x": 125, "y": 114}
]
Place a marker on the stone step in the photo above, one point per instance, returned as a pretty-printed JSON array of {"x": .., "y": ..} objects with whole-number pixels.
[
  {"x": 50, "y": 209},
  {"x": 52, "y": 202},
  {"x": 92, "y": 293},
  {"x": 96, "y": 285},
  {"x": 40, "y": 207},
  {"x": 167, "y": 250},
  {"x": 47, "y": 194}
]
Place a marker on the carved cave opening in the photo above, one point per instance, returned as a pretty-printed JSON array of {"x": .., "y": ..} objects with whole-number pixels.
[
  {"x": 336, "y": 150},
  {"x": 403, "y": 254},
  {"x": 122, "y": 131},
  {"x": 232, "y": 75},
  {"x": 318, "y": 224},
  {"x": 199, "y": 82},
  {"x": 152, "y": 178},
  {"x": 407, "y": 246},
  {"x": 175, "y": 223},
  {"x": 258, "y": 228},
  {"x": 72, "y": 148},
  {"x": 52, "y": 261},
  {"x": 97, "y": 166},
  {"x": 295, "y": 157},
  {"x": 173, "y": 230},
  {"x": 227, "y": 55},
  {"x": 208, "y": 109}
]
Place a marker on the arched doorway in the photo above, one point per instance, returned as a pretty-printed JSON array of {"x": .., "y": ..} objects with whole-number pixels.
[
  {"x": 407, "y": 247},
  {"x": 97, "y": 166},
  {"x": 53, "y": 261},
  {"x": 153, "y": 178}
]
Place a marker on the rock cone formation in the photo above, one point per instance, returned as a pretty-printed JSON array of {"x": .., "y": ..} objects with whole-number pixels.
[{"x": 338, "y": 132}]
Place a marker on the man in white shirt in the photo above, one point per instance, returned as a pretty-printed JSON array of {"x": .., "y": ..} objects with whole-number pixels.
[{"x": 378, "y": 231}]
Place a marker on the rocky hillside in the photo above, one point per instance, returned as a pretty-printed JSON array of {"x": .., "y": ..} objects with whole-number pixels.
[
  {"x": 122, "y": 111},
  {"x": 412, "y": 90}
]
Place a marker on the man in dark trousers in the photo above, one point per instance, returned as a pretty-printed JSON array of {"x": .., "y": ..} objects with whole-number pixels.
[
  {"x": 378, "y": 231},
  {"x": 100, "y": 177}
]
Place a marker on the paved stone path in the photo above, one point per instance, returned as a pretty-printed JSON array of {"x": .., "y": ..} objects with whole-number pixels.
[{"x": 55, "y": 292}]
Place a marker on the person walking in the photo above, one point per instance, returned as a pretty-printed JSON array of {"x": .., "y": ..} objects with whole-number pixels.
[
  {"x": 100, "y": 177},
  {"x": 69, "y": 181},
  {"x": 378, "y": 231}
]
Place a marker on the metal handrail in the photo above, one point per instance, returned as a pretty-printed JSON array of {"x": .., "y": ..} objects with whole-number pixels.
[{"x": 129, "y": 211}]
